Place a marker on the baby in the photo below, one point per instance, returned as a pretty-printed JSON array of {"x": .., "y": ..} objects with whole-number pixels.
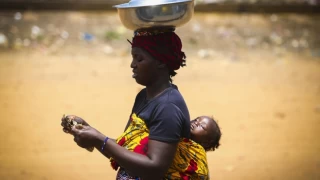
[{"x": 206, "y": 132}]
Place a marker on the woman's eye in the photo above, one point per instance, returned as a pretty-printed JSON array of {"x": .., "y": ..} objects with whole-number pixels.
[{"x": 137, "y": 58}]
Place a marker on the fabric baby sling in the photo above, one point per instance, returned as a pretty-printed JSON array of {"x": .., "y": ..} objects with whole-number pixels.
[{"x": 189, "y": 163}]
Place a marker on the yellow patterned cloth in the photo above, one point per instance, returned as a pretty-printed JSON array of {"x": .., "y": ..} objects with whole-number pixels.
[{"x": 190, "y": 161}]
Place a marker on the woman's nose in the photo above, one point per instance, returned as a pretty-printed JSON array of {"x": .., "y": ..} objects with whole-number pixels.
[{"x": 133, "y": 64}]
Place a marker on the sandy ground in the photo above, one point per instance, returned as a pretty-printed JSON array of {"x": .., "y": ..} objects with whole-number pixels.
[{"x": 269, "y": 112}]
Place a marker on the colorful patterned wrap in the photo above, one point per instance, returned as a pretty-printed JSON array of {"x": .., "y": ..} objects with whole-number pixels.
[
  {"x": 165, "y": 46},
  {"x": 190, "y": 161}
]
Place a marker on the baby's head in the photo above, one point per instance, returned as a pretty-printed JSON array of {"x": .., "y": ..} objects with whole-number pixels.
[{"x": 206, "y": 132}]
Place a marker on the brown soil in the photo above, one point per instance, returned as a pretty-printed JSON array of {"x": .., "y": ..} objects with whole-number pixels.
[{"x": 268, "y": 107}]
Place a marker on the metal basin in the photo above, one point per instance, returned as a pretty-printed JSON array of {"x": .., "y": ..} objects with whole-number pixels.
[{"x": 140, "y": 14}]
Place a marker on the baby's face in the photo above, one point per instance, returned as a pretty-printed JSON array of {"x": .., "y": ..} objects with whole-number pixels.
[{"x": 200, "y": 129}]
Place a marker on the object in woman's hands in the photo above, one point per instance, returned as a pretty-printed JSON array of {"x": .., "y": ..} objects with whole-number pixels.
[{"x": 69, "y": 122}]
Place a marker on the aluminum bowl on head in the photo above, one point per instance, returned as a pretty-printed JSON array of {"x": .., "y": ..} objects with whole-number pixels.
[{"x": 140, "y": 14}]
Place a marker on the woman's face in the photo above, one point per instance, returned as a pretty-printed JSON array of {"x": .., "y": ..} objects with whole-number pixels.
[
  {"x": 144, "y": 66},
  {"x": 200, "y": 129}
]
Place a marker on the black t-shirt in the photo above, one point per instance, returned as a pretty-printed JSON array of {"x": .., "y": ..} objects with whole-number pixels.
[{"x": 166, "y": 116}]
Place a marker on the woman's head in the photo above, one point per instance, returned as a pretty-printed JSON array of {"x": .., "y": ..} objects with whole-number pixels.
[
  {"x": 163, "y": 46},
  {"x": 205, "y": 131},
  {"x": 146, "y": 69}
]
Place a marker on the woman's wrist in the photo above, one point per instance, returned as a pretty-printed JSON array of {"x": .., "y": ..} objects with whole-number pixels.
[
  {"x": 100, "y": 141},
  {"x": 104, "y": 144}
]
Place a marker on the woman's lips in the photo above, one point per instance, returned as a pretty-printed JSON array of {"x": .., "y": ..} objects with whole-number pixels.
[{"x": 134, "y": 75}]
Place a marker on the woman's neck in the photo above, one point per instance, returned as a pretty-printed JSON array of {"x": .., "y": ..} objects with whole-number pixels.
[{"x": 156, "y": 89}]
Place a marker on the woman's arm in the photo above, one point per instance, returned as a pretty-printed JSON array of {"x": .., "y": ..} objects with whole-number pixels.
[
  {"x": 98, "y": 147},
  {"x": 151, "y": 166}
]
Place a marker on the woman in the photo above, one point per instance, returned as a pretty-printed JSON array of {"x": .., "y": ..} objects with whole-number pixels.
[{"x": 156, "y": 55}]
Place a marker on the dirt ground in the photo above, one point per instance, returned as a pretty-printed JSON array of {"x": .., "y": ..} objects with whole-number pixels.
[{"x": 266, "y": 100}]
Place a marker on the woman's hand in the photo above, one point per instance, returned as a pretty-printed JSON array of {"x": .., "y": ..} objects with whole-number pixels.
[
  {"x": 79, "y": 120},
  {"x": 87, "y": 136}
]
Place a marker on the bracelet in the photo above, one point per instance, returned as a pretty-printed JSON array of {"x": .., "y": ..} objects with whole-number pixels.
[{"x": 104, "y": 144}]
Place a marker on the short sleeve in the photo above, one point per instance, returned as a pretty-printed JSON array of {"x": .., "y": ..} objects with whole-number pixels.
[{"x": 166, "y": 123}]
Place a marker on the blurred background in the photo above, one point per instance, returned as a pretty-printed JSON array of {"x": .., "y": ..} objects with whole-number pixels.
[{"x": 252, "y": 64}]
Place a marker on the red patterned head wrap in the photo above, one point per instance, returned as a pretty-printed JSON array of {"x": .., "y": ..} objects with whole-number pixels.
[{"x": 165, "y": 46}]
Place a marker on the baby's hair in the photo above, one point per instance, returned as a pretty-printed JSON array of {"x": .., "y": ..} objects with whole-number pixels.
[{"x": 215, "y": 143}]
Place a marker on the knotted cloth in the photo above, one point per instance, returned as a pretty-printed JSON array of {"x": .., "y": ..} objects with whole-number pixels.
[{"x": 163, "y": 45}]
